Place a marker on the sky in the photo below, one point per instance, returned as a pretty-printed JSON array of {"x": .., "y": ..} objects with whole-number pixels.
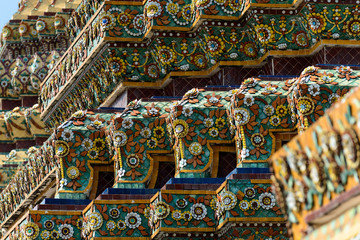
[{"x": 7, "y": 9}]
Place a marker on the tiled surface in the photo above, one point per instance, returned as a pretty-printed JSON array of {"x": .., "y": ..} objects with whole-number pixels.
[
  {"x": 9, "y": 165},
  {"x": 7, "y": 147},
  {"x": 40, "y": 140},
  {"x": 53, "y": 201},
  {"x": 29, "y": 101},
  {"x": 166, "y": 171},
  {"x": 63, "y": 204},
  {"x": 290, "y": 66},
  {"x": 249, "y": 173},
  {"x": 182, "y": 85},
  {"x": 235, "y": 75},
  {"x": 62, "y": 207},
  {"x": 251, "y": 176},
  {"x": 227, "y": 163},
  {"x": 7, "y": 104},
  {"x": 345, "y": 56},
  {"x": 137, "y": 93},
  {"x": 319, "y": 57},
  {"x": 129, "y": 191},
  {"x": 106, "y": 180},
  {"x": 283, "y": 138},
  {"x": 25, "y": 144},
  {"x": 195, "y": 181},
  {"x": 191, "y": 186},
  {"x": 250, "y": 170},
  {"x": 124, "y": 196}
]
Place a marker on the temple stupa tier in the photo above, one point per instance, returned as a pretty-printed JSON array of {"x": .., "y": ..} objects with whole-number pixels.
[
  {"x": 173, "y": 119},
  {"x": 214, "y": 141},
  {"x": 38, "y": 26},
  {"x": 316, "y": 175},
  {"x": 155, "y": 44},
  {"x": 31, "y": 43}
]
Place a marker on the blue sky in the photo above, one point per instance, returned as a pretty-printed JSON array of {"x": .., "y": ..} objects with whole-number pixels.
[{"x": 7, "y": 9}]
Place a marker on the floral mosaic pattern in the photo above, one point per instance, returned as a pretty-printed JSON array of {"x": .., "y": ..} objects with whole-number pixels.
[
  {"x": 25, "y": 74},
  {"x": 198, "y": 120},
  {"x": 187, "y": 129},
  {"x": 79, "y": 141},
  {"x": 142, "y": 218},
  {"x": 257, "y": 108},
  {"x": 212, "y": 43},
  {"x": 53, "y": 227},
  {"x": 315, "y": 92},
  {"x": 324, "y": 159},
  {"x": 181, "y": 211},
  {"x": 171, "y": 210},
  {"x": 246, "y": 200},
  {"x": 201, "y": 118},
  {"x": 135, "y": 134},
  {"x": 121, "y": 220}
]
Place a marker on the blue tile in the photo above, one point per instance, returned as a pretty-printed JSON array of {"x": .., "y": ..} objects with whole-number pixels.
[
  {"x": 129, "y": 191},
  {"x": 196, "y": 181},
  {"x": 55, "y": 201},
  {"x": 248, "y": 170},
  {"x": 111, "y": 108}
]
